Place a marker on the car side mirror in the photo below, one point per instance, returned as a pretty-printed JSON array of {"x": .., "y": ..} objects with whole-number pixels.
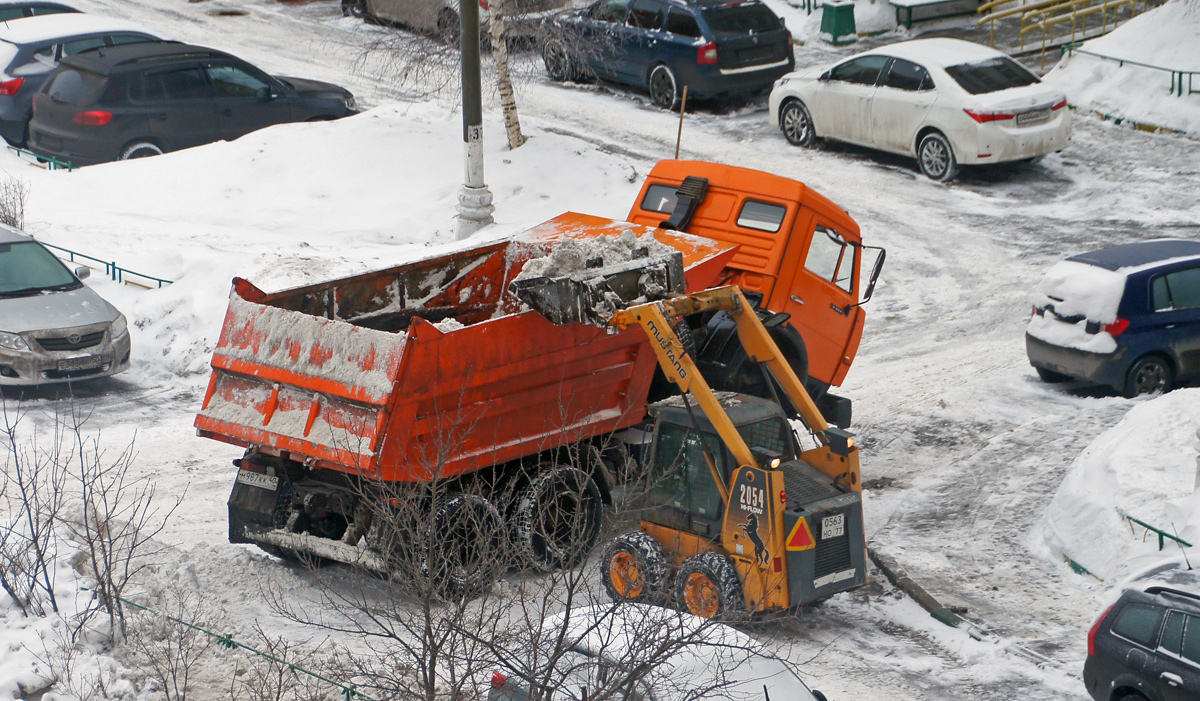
[
  {"x": 83, "y": 272},
  {"x": 267, "y": 93},
  {"x": 818, "y": 695},
  {"x": 827, "y": 75}
]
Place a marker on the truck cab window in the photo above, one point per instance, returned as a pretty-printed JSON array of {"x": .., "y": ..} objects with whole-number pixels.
[
  {"x": 660, "y": 198},
  {"x": 762, "y": 216},
  {"x": 831, "y": 258}
]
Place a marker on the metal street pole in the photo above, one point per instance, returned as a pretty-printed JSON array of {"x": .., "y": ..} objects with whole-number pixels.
[{"x": 474, "y": 199}]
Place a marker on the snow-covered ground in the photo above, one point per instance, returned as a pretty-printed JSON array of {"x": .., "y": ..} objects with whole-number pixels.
[
  {"x": 1166, "y": 38},
  {"x": 973, "y": 464}
]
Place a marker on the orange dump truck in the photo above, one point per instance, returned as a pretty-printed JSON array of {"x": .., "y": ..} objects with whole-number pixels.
[{"x": 433, "y": 372}]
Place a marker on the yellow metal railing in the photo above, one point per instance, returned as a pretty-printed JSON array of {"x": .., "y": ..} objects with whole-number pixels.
[{"x": 1046, "y": 15}]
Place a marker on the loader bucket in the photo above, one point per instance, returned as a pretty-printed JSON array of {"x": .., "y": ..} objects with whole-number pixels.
[{"x": 594, "y": 294}]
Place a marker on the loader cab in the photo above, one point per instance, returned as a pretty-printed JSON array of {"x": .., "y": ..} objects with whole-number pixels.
[{"x": 682, "y": 494}]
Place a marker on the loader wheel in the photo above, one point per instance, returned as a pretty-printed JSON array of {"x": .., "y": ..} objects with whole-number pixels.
[
  {"x": 634, "y": 568},
  {"x": 557, "y": 518},
  {"x": 708, "y": 586},
  {"x": 466, "y": 549}
]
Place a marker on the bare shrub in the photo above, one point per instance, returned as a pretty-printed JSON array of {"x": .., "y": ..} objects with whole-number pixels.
[
  {"x": 13, "y": 195},
  {"x": 167, "y": 645},
  {"x": 274, "y": 677}
]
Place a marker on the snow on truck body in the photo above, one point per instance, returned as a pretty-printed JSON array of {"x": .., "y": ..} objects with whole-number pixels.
[
  {"x": 1099, "y": 315},
  {"x": 357, "y": 375}
]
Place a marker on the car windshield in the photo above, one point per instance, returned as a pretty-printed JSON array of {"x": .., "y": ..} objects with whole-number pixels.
[
  {"x": 28, "y": 268},
  {"x": 742, "y": 18},
  {"x": 999, "y": 73},
  {"x": 74, "y": 87}
]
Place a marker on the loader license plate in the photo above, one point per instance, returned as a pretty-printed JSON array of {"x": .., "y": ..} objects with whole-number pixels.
[
  {"x": 833, "y": 526},
  {"x": 257, "y": 479},
  {"x": 1033, "y": 117}
]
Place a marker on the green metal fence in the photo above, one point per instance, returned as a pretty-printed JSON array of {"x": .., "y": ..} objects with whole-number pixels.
[
  {"x": 1178, "y": 76},
  {"x": 51, "y": 163},
  {"x": 111, "y": 269}
]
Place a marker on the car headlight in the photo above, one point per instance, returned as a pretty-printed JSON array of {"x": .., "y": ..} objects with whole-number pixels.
[
  {"x": 12, "y": 341},
  {"x": 351, "y": 104},
  {"x": 119, "y": 326}
]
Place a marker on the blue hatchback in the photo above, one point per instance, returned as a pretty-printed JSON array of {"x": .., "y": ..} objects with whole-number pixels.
[
  {"x": 714, "y": 47},
  {"x": 1126, "y": 316}
]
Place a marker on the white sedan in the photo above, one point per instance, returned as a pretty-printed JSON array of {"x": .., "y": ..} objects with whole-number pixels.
[{"x": 946, "y": 102}]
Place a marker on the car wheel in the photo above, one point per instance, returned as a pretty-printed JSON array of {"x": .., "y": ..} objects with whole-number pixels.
[
  {"x": 634, "y": 568},
  {"x": 140, "y": 149},
  {"x": 448, "y": 27},
  {"x": 558, "y": 63},
  {"x": 708, "y": 586},
  {"x": 796, "y": 124},
  {"x": 664, "y": 91},
  {"x": 1150, "y": 374},
  {"x": 935, "y": 157},
  {"x": 1051, "y": 376},
  {"x": 354, "y": 8}
]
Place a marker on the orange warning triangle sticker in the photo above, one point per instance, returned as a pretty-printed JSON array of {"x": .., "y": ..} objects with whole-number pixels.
[{"x": 801, "y": 538}]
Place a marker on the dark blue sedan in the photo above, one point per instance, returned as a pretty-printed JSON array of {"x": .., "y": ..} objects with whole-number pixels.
[
  {"x": 716, "y": 48},
  {"x": 1126, "y": 316}
]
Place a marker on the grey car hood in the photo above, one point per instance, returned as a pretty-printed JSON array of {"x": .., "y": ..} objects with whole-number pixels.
[
  {"x": 315, "y": 87},
  {"x": 54, "y": 310}
]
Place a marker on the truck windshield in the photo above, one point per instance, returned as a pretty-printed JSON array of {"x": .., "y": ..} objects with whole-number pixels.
[
  {"x": 999, "y": 73},
  {"x": 28, "y": 268}
]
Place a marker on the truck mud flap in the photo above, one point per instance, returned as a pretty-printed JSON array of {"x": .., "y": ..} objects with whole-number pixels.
[{"x": 258, "y": 502}]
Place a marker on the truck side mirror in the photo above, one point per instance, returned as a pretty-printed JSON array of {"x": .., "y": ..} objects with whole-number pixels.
[{"x": 875, "y": 270}]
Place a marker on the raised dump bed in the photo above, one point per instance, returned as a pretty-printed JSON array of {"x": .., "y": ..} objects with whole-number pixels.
[{"x": 424, "y": 373}]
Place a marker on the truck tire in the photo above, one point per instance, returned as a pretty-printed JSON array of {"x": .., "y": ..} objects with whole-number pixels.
[
  {"x": 557, "y": 518},
  {"x": 634, "y": 568},
  {"x": 465, "y": 555},
  {"x": 708, "y": 586}
]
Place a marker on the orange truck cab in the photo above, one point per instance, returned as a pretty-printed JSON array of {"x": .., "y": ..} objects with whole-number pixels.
[{"x": 798, "y": 250}]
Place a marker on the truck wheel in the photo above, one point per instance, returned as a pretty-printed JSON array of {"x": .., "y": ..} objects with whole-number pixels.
[
  {"x": 465, "y": 554},
  {"x": 708, "y": 586},
  {"x": 557, "y": 518},
  {"x": 634, "y": 568}
]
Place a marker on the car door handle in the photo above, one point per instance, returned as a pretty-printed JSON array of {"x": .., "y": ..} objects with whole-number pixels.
[
  {"x": 844, "y": 311},
  {"x": 796, "y": 299},
  {"x": 1172, "y": 679},
  {"x": 1171, "y": 326},
  {"x": 227, "y": 113}
]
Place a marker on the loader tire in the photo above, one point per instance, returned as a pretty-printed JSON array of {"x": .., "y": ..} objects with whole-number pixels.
[
  {"x": 557, "y": 518},
  {"x": 466, "y": 552},
  {"x": 708, "y": 586},
  {"x": 634, "y": 568}
]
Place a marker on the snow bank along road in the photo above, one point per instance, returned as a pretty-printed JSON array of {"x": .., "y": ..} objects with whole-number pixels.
[{"x": 962, "y": 444}]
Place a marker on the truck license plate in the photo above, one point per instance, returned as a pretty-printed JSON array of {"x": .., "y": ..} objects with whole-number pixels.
[
  {"x": 833, "y": 526},
  {"x": 257, "y": 479},
  {"x": 91, "y": 361},
  {"x": 1033, "y": 117}
]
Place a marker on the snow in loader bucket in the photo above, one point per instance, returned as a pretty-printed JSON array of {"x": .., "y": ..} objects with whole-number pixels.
[{"x": 592, "y": 295}]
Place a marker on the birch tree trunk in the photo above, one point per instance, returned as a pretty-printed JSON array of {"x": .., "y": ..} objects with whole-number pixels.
[{"x": 508, "y": 101}]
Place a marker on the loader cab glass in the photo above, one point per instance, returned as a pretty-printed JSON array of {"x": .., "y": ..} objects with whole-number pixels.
[{"x": 681, "y": 484}]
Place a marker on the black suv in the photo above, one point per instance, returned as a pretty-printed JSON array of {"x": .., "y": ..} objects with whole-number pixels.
[
  {"x": 1146, "y": 647},
  {"x": 714, "y": 47},
  {"x": 144, "y": 99}
]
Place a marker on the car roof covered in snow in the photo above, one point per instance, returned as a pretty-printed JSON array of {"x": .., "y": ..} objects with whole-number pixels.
[
  {"x": 938, "y": 51},
  {"x": 32, "y": 30},
  {"x": 1141, "y": 254},
  {"x": 103, "y": 60},
  {"x": 1169, "y": 578}
]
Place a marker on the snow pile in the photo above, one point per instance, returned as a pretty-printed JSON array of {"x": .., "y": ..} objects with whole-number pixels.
[
  {"x": 1165, "y": 37},
  {"x": 1144, "y": 466},
  {"x": 571, "y": 255}
]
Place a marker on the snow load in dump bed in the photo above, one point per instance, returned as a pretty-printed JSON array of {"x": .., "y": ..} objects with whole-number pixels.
[{"x": 435, "y": 368}]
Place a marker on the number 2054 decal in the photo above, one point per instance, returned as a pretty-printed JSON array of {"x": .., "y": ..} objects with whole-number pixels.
[{"x": 752, "y": 498}]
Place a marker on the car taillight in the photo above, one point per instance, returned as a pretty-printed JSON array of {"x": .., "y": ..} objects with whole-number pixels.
[
  {"x": 483, "y": 4},
  {"x": 707, "y": 54},
  {"x": 1060, "y": 104},
  {"x": 93, "y": 118},
  {"x": 10, "y": 87},
  {"x": 498, "y": 680},
  {"x": 1117, "y": 327},
  {"x": 983, "y": 117},
  {"x": 1095, "y": 629}
]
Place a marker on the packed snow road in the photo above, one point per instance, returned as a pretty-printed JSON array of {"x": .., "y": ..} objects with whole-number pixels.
[{"x": 963, "y": 445}]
